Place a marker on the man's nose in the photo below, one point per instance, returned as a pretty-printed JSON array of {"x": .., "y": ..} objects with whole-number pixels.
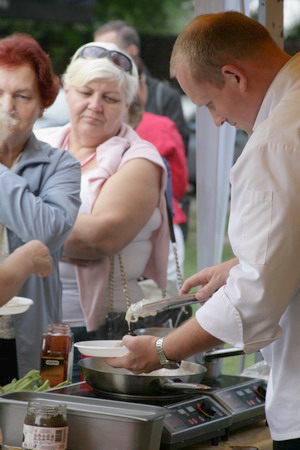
[{"x": 219, "y": 120}]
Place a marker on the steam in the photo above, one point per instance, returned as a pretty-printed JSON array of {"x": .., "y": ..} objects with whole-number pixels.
[{"x": 6, "y": 122}]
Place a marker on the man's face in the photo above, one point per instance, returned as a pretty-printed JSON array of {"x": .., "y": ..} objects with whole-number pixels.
[
  {"x": 112, "y": 36},
  {"x": 109, "y": 36},
  {"x": 225, "y": 104}
]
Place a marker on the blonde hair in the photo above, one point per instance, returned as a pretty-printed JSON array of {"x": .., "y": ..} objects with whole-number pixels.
[{"x": 81, "y": 71}]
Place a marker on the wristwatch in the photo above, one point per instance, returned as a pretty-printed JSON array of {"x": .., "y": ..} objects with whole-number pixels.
[{"x": 164, "y": 361}]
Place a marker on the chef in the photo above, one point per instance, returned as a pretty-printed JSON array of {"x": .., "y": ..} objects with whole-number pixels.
[{"x": 229, "y": 64}]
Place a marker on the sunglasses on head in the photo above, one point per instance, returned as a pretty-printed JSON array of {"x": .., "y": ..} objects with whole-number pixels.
[{"x": 119, "y": 59}]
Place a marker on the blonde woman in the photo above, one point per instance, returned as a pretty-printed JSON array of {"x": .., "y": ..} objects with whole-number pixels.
[{"x": 121, "y": 232}]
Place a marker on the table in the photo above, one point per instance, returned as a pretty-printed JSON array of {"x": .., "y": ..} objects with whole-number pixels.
[{"x": 252, "y": 437}]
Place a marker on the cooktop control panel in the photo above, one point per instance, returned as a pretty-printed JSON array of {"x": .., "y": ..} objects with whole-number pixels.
[
  {"x": 244, "y": 401},
  {"x": 185, "y": 421}
]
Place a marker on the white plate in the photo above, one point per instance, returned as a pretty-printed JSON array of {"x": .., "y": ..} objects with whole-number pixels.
[
  {"x": 16, "y": 305},
  {"x": 101, "y": 348}
]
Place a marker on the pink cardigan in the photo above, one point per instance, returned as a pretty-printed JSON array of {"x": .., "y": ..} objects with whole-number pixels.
[{"x": 111, "y": 156}]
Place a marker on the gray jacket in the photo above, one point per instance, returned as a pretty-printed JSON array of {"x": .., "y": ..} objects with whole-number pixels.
[{"x": 40, "y": 200}]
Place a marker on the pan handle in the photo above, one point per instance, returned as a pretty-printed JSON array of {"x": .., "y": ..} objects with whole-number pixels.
[
  {"x": 222, "y": 353},
  {"x": 174, "y": 385}
]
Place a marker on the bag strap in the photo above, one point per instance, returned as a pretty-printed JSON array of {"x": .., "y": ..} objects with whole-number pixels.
[
  {"x": 111, "y": 279},
  {"x": 173, "y": 242},
  {"x": 123, "y": 271},
  {"x": 111, "y": 282}
]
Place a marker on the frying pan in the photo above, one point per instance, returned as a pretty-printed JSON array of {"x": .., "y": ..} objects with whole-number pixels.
[{"x": 102, "y": 377}]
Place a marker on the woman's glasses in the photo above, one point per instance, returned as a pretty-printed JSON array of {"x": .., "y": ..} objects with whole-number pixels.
[{"x": 119, "y": 59}]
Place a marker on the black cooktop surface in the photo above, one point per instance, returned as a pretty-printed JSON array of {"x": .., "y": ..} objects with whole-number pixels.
[{"x": 82, "y": 389}]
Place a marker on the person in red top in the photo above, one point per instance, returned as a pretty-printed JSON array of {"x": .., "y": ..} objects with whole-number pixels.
[{"x": 163, "y": 134}]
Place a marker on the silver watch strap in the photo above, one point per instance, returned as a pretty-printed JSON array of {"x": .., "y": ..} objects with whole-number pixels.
[
  {"x": 160, "y": 352},
  {"x": 164, "y": 361}
]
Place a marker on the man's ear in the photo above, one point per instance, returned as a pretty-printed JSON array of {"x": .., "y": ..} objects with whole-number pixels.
[
  {"x": 237, "y": 74},
  {"x": 132, "y": 50}
]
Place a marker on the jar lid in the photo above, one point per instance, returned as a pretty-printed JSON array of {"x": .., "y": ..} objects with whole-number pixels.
[
  {"x": 47, "y": 408},
  {"x": 47, "y": 413},
  {"x": 59, "y": 328}
]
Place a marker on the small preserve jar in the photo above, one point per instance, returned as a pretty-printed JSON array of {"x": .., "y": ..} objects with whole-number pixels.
[
  {"x": 45, "y": 426},
  {"x": 57, "y": 354}
]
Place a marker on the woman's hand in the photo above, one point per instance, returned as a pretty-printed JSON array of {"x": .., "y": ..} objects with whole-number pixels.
[
  {"x": 30, "y": 258},
  {"x": 37, "y": 256},
  {"x": 210, "y": 279}
]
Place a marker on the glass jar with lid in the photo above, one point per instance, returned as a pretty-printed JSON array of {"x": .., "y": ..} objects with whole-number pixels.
[
  {"x": 45, "y": 426},
  {"x": 57, "y": 354}
]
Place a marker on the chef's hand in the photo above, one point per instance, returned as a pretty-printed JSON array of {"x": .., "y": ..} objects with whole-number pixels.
[
  {"x": 141, "y": 356},
  {"x": 210, "y": 279}
]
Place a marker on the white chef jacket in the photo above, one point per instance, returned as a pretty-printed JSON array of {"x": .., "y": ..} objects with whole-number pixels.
[{"x": 259, "y": 307}]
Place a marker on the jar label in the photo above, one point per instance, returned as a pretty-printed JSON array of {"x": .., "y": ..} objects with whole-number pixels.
[
  {"x": 44, "y": 438},
  {"x": 53, "y": 369}
]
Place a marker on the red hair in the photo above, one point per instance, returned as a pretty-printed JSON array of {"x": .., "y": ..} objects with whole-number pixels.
[{"x": 18, "y": 49}]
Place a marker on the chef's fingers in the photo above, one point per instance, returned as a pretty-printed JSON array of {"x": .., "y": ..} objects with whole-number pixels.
[
  {"x": 122, "y": 363},
  {"x": 206, "y": 289},
  {"x": 189, "y": 283},
  {"x": 210, "y": 279},
  {"x": 141, "y": 356},
  {"x": 128, "y": 340}
]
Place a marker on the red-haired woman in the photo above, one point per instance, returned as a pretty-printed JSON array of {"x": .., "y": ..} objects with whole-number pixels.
[{"x": 39, "y": 195}]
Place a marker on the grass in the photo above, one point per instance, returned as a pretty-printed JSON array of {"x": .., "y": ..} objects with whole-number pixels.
[
  {"x": 231, "y": 365},
  {"x": 190, "y": 264}
]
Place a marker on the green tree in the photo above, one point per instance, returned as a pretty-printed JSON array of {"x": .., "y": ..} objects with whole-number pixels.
[
  {"x": 61, "y": 39},
  {"x": 148, "y": 17}
]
